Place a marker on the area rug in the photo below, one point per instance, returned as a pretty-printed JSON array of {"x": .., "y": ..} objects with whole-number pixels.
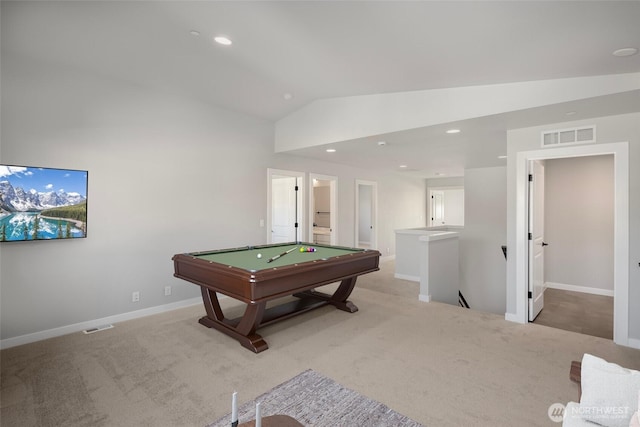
[{"x": 315, "y": 400}]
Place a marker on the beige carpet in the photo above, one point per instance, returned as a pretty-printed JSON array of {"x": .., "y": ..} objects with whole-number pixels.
[{"x": 440, "y": 365}]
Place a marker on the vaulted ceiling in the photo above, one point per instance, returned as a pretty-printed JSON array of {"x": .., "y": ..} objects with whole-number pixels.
[{"x": 288, "y": 54}]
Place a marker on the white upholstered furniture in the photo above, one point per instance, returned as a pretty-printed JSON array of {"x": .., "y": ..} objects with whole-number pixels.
[{"x": 610, "y": 395}]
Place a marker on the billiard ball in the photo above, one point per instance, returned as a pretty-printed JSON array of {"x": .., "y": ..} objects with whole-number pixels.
[{"x": 259, "y": 255}]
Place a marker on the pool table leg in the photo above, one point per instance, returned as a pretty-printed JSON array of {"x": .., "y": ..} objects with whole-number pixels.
[
  {"x": 244, "y": 331},
  {"x": 339, "y": 297}
]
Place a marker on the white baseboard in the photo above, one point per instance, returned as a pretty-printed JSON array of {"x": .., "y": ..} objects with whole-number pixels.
[
  {"x": 633, "y": 342},
  {"x": 512, "y": 317},
  {"x": 583, "y": 289},
  {"x": 77, "y": 327},
  {"x": 424, "y": 298},
  {"x": 407, "y": 277},
  {"x": 387, "y": 258}
]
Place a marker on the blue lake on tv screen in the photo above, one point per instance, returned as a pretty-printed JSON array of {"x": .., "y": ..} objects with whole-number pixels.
[{"x": 19, "y": 226}]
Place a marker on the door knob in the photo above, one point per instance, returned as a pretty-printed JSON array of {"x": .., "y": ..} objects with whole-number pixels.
[{"x": 545, "y": 244}]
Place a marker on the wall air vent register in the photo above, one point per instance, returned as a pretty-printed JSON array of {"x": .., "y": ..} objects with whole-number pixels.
[{"x": 570, "y": 136}]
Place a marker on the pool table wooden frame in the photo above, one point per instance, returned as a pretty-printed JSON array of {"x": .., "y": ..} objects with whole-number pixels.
[{"x": 256, "y": 288}]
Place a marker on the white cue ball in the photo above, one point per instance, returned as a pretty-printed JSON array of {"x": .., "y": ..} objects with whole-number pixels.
[{"x": 259, "y": 255}]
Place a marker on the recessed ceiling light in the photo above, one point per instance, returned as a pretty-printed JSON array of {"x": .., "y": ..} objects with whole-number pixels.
[
  {"x": 382, "y": 143},
  {"x": 194, "y": 33},
  {"x": 453, "y": 131},
  {"x": 222, "y": 40},
  {"x": 331, "y": 150},
  {"x": 287, "y": 96},
  {"x": 403, "y": 166},
  {"x": 627, "y": 51},
  {"x": 502, "y": 157},
  {"x": 439, "y": 174},
  {"x": 570, "y": 113}
]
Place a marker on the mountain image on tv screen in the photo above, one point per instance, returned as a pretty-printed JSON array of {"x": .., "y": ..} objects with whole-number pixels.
[{"x": 42, "y": 203}]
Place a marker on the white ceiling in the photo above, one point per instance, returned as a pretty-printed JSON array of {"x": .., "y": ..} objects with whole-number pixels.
[{"x": 316, "y": 50}]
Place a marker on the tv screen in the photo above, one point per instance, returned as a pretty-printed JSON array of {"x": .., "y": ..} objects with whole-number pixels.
[{"x": 42, "y": 203}]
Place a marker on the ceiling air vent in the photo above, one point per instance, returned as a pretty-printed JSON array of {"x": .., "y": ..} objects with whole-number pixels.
[{"x": 579, "y": 135}]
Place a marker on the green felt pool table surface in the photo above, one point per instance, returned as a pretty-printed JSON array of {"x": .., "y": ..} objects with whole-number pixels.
[
  {"x": 240, "y": 274},
  {"x": 247, "y": 258}
]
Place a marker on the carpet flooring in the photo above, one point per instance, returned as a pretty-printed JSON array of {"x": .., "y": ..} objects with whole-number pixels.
[
  {"x": 315, "y": 400},
  {"x": 437, "y": 364},
  {"x": 578, "y": 312}
]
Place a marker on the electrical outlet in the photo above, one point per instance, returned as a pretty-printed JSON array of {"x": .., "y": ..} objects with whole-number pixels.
[
  {"x": 135, "y": 297},
  {"x": 167, "y": 291}
]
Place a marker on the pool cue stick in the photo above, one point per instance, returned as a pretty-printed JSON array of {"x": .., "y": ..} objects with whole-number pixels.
[
  {"x": 234, "y": 410},
  {"x": 282, "y": 254}
]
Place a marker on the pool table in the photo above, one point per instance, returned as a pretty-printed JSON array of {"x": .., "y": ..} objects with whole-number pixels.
[{"x": 258, "y": 274}]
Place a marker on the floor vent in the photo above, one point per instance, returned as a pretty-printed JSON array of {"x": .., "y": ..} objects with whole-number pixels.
[
  {"x": 97, "y": 329},
  {"x": 570, "y": 136}
]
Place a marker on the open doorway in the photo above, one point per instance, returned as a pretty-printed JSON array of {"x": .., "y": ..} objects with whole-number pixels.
[
  {"x": 285, "y": 193},
  {"x": 366, "y": 215},
  {"x": 323, "y": 225},
  {"x": 446, "y": 206},
  {"x": 620, "y": 152},
  {"x": 578, "y": 218}
]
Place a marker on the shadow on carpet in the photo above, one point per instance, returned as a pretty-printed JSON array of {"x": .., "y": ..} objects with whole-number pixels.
[{"x": 315, "y": 400}]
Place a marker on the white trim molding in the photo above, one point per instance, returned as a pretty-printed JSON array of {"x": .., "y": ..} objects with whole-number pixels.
[
  {"x": 424, "y": 298},
  {"x": 583, "y": 289},
  {"x": 512, "y": 317},
  {"x": 406, "y": 277}
]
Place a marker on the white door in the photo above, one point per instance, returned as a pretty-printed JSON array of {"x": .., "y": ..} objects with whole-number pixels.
[
  {"x": 366, "y": 214},
  {"x": 283, "y": 209},
  {"x": 437, "y": 208},
  {"x": 536, "y": 239}
]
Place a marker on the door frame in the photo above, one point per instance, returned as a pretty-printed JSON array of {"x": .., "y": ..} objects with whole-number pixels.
[
  {"x": 620, "y": 151},
  {"x": 374, "y": 212},
  {"x": 300, "y": 198},
  {"x": 333, "y": 203}
]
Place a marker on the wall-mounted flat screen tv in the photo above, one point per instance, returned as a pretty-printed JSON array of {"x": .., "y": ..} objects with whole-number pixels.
[{"x": 42, "y": 203}]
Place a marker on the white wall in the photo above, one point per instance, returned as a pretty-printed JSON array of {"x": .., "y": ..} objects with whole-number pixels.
[
  {"x": 579, "y": 223},
  {"x": 391, "y": 217},
  {"x": 454, "y": 181},
  {"x": 621, "y": 128},
  {"x": 454, "y": 207},
  {"x": 166, "y": 175},
  {"x": 482, "y": 264}
]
